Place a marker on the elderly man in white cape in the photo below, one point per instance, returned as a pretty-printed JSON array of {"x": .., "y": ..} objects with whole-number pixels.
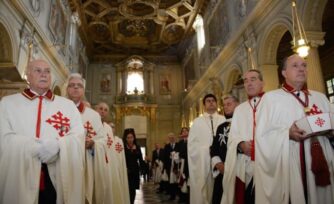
[
  {"x": 96, "y": 139},
  {"x": 200, "y": 139},
  {"x": 117, "y": 174},
  {"x": 39, "y": 129},
  {"x": 291, "y": 167},
  {"x": 239, "y": 164}
]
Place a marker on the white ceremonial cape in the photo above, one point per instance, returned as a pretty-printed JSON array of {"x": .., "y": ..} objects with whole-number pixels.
[
  {"x": 277, "y": 164},
  {"x": 118, "y": 191},
  {"x": 199, "y": 160},
  {"x": 20, "y": 166},
  {"x": 238, "y": 165},
  {"x": 157, "y": 171},
  {"x": 175, "y": 167},
  {"x": 96, "y": 165}
]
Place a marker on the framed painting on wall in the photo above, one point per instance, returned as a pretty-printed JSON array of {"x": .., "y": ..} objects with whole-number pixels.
[
  {"x": 105, "y": 82},
  {"x": 58, "y": 23},
  {"x": 164, "y": 84}
]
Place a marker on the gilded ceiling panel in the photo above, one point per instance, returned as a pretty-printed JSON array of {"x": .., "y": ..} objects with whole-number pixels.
[{"x": 145, "y": 26}]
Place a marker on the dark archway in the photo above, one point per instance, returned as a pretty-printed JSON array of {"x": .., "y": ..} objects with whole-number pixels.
[
  {"x": 326, "y": 52},
  {"x": 283, "y": 50}
]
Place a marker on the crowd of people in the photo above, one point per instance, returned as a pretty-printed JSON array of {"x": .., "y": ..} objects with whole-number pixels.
[
  {"x": 170, "y": 167},
  {"x": 60, "y": 150}
]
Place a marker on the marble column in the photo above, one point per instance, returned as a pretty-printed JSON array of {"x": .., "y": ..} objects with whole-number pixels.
[
  {"x": 315, "y": 80},
  {"x": 119, "y": 82},
  {"x": 153, "y": 137},
  {"x": 270, "y": 76},
  {"x": 124, "y": 81}
]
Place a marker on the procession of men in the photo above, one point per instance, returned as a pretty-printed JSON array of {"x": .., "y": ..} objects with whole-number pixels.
[
  {"x": 55, "y": 150},
  {"x": 263, "y": 156},
  {"x": 59, "y": 150}
]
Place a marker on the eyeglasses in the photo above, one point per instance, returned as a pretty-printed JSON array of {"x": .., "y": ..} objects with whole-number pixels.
[{"x": 73, "y": 85}]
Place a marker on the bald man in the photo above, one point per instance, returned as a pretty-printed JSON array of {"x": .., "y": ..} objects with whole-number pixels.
[
  {"x": 119, "y": 191},
  {"x": 291, "y": 167},
  {"x": 41, "y": 144}
]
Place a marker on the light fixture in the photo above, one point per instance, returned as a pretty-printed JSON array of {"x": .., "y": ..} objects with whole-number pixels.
[
  {"x": 250, "y": 57},
  {"x": 300, "y": 43}
]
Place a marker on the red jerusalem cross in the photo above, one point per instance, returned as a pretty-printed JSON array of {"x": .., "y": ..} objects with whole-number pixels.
[
  {"x": 320, "y": 122},
  {"x": 62, "y": 124},
  {"x": 118, "y": 147},
  {"x": 109, "y": 142},
  {"x": 315, "y": 110},
  {"x": 90, "y": 130}
]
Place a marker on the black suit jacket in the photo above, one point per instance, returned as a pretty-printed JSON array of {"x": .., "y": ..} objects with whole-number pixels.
[
  {"x": 157, "y": 155},
  {"x": 182, "y": 149},
  {"x": 167, "y": 160},
  {"x": 219, "y": 143}
]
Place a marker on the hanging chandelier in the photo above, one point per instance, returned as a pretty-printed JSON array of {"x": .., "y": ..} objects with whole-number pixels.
[{"x": 300, "y": 43}]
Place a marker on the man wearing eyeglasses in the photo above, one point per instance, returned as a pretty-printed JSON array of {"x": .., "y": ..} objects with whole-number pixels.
[
  {"x": 95, "y": 142},
  {"x": 41, "y": 144}
]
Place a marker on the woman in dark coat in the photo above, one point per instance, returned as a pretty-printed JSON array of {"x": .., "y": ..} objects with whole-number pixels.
[{"x": 134, "y": 161}]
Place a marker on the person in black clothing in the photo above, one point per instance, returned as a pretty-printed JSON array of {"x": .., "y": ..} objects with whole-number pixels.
[
  {"x": 145, "y": 171},
  {"x": 169, "y": 148},
  {"x": 157, "y": 159},
  {"x": 219, "y": 147},
  {"x": 134, "y": 160},
  {"x": 184, "y": 171}
]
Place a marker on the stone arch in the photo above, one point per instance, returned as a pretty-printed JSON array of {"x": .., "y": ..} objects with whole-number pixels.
[
  {"x": 6, "y": 49},
  {"x": 268, "y": 46},
  {"x": 8, "y": 45},
  {"x": 270, "y": 40},
  {"x": 231, "y": 77},
  {"x": 312, "y": 14}
]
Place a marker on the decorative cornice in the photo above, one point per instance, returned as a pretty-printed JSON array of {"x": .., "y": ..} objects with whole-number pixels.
[{"x": 315, "y": 39}]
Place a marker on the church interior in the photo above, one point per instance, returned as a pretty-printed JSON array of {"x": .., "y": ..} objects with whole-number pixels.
[{"x": 152, "y": 61}]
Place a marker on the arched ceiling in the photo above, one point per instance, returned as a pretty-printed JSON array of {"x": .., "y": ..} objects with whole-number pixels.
[{"x": 135, "y": 26}]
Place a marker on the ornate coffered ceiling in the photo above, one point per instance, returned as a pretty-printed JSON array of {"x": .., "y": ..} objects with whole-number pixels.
[{"x": 135, "y": 26}]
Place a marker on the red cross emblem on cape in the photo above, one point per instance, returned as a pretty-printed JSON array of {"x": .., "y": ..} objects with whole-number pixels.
[
  {"x": 320, "y": 122},
  {"x": 118, "y": 147},
  {"x": 315, "y": 110},
  {"x": 60, "y": 122},
  {"x": 90, "y": 133},
  {"x": 109, "y": 141}
]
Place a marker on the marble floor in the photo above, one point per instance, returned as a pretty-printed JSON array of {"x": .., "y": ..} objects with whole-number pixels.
[{"x": 147, "y": 195}]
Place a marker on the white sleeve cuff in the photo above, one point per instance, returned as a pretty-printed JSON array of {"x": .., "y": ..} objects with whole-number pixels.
[{"x": 215, "y": 160}]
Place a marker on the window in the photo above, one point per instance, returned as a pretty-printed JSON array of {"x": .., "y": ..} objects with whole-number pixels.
[
  {"x": 199, "y": 27},
  {"x": 330, "y": 89},
  {"x": 135, "y": 83}
]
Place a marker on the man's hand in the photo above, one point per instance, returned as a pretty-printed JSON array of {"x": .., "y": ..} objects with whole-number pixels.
[
  {"x": 220, "y": 167},
  {"x": 48, "y": 151},
  {"x": 245, "y": 147},
  {"x": 296, "y": 133},
  {"x": 89, "y": 143}
]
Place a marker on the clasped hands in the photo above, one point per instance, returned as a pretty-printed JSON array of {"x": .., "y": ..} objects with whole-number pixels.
[
  {"x": 89, "y": 143},
  {"x": 296, "y": 134},
  {"x": 46, "y": 149}
]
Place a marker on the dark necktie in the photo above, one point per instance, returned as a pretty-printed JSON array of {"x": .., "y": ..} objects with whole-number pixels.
[{"x": 212, "y": 130}]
